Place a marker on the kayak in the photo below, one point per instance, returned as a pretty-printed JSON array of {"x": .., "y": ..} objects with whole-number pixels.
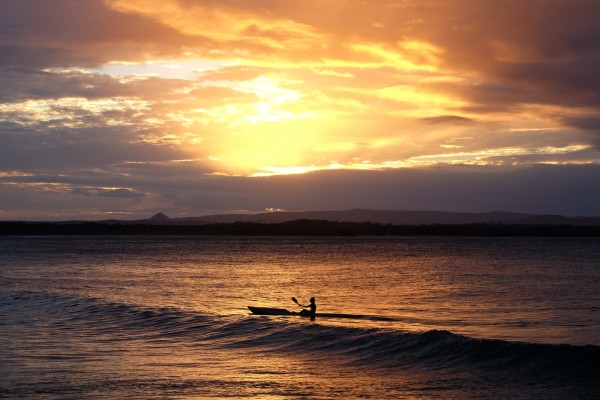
[
  {"x": 282, "y": 311},
  {"x": 270, "y": 311}
]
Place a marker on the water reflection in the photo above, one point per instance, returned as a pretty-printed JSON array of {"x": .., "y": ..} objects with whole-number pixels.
[
  {"x": 515, "y": 288},
  {"x": 168, "y": 317}
]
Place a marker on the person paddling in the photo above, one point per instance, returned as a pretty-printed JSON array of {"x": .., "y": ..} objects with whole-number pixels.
[{"x": 313, "y": 308}]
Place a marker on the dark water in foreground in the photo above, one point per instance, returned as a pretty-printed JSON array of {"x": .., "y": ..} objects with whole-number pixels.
[{"x": 166, "y": 317}]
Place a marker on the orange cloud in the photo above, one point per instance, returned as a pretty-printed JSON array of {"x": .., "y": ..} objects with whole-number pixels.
[{"x": 223, "y": 22}]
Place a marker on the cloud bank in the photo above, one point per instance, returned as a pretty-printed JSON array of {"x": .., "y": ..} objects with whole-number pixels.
[{"x": 126, "y": 108}]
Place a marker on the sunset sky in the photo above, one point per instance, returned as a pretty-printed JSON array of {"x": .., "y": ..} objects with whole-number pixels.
[{"x": 123, "y": 108}]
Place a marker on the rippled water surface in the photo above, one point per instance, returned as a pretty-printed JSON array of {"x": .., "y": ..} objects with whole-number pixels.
[{"x": 166, "y": 317}]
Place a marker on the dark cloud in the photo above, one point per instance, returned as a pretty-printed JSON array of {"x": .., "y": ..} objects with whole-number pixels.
[
  {"x": 585, "y": 156},
  {"x": 120, "y": 193},
  {"x": 588, "y": 123},
  {"x": 559, "y": 189},
  {"x": 19, "y": 84},
  {"x": 544, "y": 51},
  {"x": 54, "y": 149},
  {"x": 35, "y": 34},
  {"x": 491, "y": 96},
  {"x": 448, "y": 119},
  {"x": 545, "y": 189},
  {"x": 575, "y": 84}
]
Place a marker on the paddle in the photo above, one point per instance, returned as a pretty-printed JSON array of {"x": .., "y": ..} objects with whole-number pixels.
[{"x": 296, "y": 301}]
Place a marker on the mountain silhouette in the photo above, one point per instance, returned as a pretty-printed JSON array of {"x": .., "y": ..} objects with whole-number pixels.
[
  {"x": 160, "y": 217},
  {"x": 394, "y": 217}
]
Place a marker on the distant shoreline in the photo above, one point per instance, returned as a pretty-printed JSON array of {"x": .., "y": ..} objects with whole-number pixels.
[{"x": 297, "y": 228}]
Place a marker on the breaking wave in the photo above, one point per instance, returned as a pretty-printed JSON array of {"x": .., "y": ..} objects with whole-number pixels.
[{"x": 386, "y": 349}]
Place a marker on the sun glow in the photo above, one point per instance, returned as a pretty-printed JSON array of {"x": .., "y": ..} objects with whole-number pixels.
[
  {"x": 262, "y": 93},
  {"x": 272, "y": 131}
]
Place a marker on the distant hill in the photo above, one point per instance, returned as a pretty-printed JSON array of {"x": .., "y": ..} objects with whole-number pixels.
[
  {"x": 358, "y": 222},
  {"x": 393, "y": 217}
]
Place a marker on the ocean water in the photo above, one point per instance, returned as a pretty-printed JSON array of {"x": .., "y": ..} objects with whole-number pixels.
[{"x": 167, "y": 318}]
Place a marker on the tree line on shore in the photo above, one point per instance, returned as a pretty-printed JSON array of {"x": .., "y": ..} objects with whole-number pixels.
[{"x": 296, "y": 228}]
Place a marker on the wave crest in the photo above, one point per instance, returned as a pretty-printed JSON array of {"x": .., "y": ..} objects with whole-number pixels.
[{"x": 375, "y": 348}]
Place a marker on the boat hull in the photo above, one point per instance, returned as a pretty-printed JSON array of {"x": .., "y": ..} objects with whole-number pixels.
[
  {"x": 282, "y": 311},
  {"x": 270, "y": 311}
]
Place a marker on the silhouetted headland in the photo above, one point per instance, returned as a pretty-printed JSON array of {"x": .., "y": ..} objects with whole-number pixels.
[{"x": 394, "y": 217}]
